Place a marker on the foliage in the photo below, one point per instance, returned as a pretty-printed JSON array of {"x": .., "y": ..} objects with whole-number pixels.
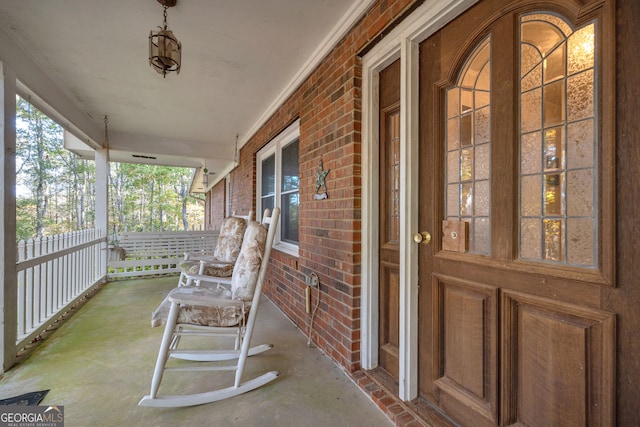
[
  {"x": 151, "y": 198},
  {"x": 56, "y": 189}
]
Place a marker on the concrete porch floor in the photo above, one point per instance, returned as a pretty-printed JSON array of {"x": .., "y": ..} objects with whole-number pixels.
[{"x": 98, "y": 364}]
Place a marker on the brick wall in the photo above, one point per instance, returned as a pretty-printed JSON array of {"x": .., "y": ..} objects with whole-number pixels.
[
  {"x": 328, "y": 104},
  {"x": 216, "y": 205}
]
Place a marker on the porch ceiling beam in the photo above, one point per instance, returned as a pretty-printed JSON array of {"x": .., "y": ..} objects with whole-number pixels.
[{"x": 170, "y": 146}]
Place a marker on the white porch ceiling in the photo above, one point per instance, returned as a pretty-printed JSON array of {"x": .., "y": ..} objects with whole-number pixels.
[{"x": 240, "y": 59}]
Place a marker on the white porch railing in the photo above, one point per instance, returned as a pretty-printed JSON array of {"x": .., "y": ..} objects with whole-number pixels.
[
  {"x": 156, "y": 253},
  {"x": 52, "y": 274}
]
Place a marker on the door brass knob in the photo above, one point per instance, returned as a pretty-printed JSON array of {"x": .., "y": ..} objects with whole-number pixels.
[{"x": 423, "y": 237}]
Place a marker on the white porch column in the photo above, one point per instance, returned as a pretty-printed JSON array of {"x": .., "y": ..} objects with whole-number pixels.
[
  {"x": 8, "y": 287},
  {"x": 102, "y": 202}
]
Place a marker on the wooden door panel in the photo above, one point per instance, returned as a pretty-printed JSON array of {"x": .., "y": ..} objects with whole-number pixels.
[
  {"x": 389, "y": 318},
  {"x": 466, "y": 352},
  {"x": 558, "y": 364}
]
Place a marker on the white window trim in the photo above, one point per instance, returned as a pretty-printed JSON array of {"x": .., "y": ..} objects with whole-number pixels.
[{"x": 275, "y": 146}]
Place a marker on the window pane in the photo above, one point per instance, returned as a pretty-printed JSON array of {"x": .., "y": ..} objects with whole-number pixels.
[
  {"x": 580, "y": 93},
  {"x": 554, "y": 64},
  {"x": 554, "y": 104},
  {"x": 267, "y": 203},
  {"x": 468, "y": 144},
  {"x": 530, "y": 111},
  {"x": 290, "y": 170},
  {"x": 289, "y": 214},
  {"x": 581, "y": 51},
  {"x": 269, "y": 175}
]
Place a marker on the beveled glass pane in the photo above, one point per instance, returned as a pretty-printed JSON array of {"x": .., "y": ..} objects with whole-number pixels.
[
  {"x": 466, "y": 164},
  {"x": 542, "y": 35},
  {"x": 466, "y": 200},
  {"x": 532, "y": 80},
  {"x": 553, "y": 240},
  {"x": 466, "y": 130},
  {"x": 466, "y": 101},
  {"x": 481, "y": 198},
  {"x": 580, "y": 92},
  {"x": 269, "y": 175},
  {"x": 530, "y": 199},
  {"x": 580, "y": 145},
  {"x": 553, "y": 148},
  {"x": 531, "y": 111},
  {"x": 453, "y": 166},
  {"x": 482, "y": 125},
  {"x": 453, "y": 134},
  {"x": 581, "y": 49},
  {"x": 580, "y": 243},
  {"x": 554, "y": 64},
  {"x": 290, "y": 170},
  {"x": 484, "y": 79},
  {"x": 554, "y": 104},
  {"x": 552, "y": 19},
  {"x": 529, "y": 59},
  {"x": 453, "y": 201},
  {"x": 553, "y": 194},
  {"x": 481, "y": 236},
  {"x": 580, "y": 193},
  {"x": 475, "y": 66},
  {"x": 530, "y": 232},
  {"x": 482, "y": 164},
  {"x": 530, "y": 153},
  {"x": 483, "y": 98},
  {"x": 453, "y": 102}
]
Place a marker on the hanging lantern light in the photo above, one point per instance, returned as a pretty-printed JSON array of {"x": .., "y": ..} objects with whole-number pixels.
[{"x": 165, "y": 51}]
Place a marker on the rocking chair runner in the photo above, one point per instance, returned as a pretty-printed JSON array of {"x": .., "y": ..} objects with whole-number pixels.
[{"x": 242, "y": 299}]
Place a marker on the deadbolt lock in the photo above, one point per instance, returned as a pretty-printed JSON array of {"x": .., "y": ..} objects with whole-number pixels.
[{"x": 423, "y": 237}]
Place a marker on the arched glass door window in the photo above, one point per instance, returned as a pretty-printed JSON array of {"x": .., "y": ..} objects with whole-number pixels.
[
  {"x": 558, "y": 176},
  {"x": 468, "y": 148}
]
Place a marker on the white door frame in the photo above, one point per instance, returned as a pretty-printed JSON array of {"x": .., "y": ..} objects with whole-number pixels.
[{"x": 401, "y": 43}]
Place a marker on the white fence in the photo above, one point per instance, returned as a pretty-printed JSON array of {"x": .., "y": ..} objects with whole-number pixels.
[
  {"x": 52, "y": 274},
  {"x": 156, "y": 253}
]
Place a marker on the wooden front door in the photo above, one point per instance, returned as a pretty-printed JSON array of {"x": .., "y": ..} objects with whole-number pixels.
[
  {"x": 515, "y": 154},
  {"x": 389, "y": 226}
]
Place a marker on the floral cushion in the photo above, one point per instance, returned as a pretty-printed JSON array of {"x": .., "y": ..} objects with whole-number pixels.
[
  {"x": 230, "y": 239},
  {"x": 211, "y": 268},
  {"x": 247, "y": 268},
  {"x": 243, "y": 284},
  {"x": 224, "y": 316}
]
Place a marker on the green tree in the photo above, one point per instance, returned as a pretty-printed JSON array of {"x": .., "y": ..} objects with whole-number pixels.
[
  {"x": 38, "y": 147},
  {"x": 151, "y": 198},
  {"x": 57, "y": 189}
]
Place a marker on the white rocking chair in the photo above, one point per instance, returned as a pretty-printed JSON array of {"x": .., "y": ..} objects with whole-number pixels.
[
  {"x": 205, "y": 311},
  {"x": 220, "y": 262}
]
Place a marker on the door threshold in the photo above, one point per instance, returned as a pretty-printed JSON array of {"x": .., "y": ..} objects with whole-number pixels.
[{"x": 382, "y": 388}]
